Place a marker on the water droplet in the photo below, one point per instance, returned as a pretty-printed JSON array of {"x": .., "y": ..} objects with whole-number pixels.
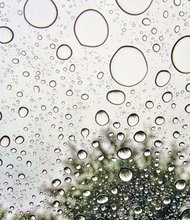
[
  {"x": 82, "y": 154},
  {"x": 5, "y": 141},
  {"x": 162, "y": 78},
  {"x": 40, "y": 14},
  {"x": 180, "y": 184},
  {"x": 23, "y": 112},
  {"x": 80, "y": 217},
  {"x": 134, "y": 7},
  {"x": 56, "y": 182},
  {"x": 125, "y": 174},
  {"x": 102, "y": 118},
  {"x": 167, "y": 97},
  {"x": 6, "y": 35},
  {"x": 187, "y": 108},
  {"x": 19, "y": 139},
  {"x": 160, "y": 120},
  {"x": 181, "y": 54},
  {"x": 21, "y": 176},
  {"x": 102, "y": 199},
  {"x": 91, "y": 28},
  {"x": 116, "y": 97},
  {"x": 123, "y": 66},
  {"x": 140, "y": 136},
  {"x": 185, "y": 215},
  {"x": 85, "y": 132},
  {"x": 124, "y": 153},
  {"x": 64, "y": 52},
  {"x": 133, "y": 119}
]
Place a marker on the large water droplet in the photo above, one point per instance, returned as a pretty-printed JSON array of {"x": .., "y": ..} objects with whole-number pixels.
[
  {"x": 125, "y": 174},
  {"x": 124, "y": 68},
  {"x": 102, "y": 118}
]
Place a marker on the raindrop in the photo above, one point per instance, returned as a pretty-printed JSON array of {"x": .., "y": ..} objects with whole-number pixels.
[
  {"x": 162, "y": 78},
  {"x": 125, "y": 174},
  {"x": 80, "y": 217},
  {"x": 187, "y": 108},
  {"x": 181, "y": 53},
  {"x": 180, "y": 184},
  {"x": 134, "y": 7},
  {"x": 133, "y": 119},
  {"x": 91, "y": 28},
  {"x": 187, "y": 87},
  {"x": 100, "y": 75},
  {"x": 40, "y": 14},
  {"x": 21, "y": 176},
  {"x": 102, "y": 199},
  {"x": 167, "y": 97},
  {"x": 5, "y": 141},
  {"x": 82, "y": 154},
  {"x": 102, "y": 118},
  {"x": 185, "y": 215},
  {"x": 146, "y": 21},
  {"x": 6, "y": 35},
  {"x": 116, "y": 97},
  {"x": 1, "y": 162},
  {"x": 85, "y": 132},
  {"x": 86, "y": 193},
  {"x": 158, "y": 143},
  {"x": 123, "y": 66},
  {"x": 64, "y": 52},
  {"x": 23, "y": 112},
  {"x": 149, "y": 104},
  {"x": 56, "y": 182},
  {"x": 19, "y": 139},
  {"x": 140, "y": 136},
  {"x": 160, "y": 120},
  {"x": 124, "y": 153}
]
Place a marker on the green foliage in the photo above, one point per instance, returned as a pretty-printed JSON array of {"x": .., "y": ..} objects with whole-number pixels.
[{"x": 120, "y": 181}]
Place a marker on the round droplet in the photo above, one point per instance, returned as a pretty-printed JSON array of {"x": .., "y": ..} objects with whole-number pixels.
[
  {"x": 180, "y": 184},
  {"x": 91, "y": 28},
  {"x": 56, "y": 182},
  {"x": 64, "y": 52},
  {"x": 6, "y": 35},
  {"x": 102, "y": 199},
  {"x": 185, "y": 215},
  {"x": 102, "y": 118},
  {"x": 23, "y": 112},
  {"x": 125, "y": 69},
  {"x": 133, "y": 119},
  {"x": 1, "y": 162},
  {"x": 124, "y": 153},
  {"x": 181, "y": 53},
  {"x": 140, "y": 136},
  {"x": 85, "y": 132},
  {"x": 82, "y": 154},
  {"x": 5, "y": 141},
  {"x": 134, "y": 7},
  {"x": 187, "y": 108},
  {"x": 187, "y": 87},
  {"x": 116, "y": 97},
  {"x": 162, "y": 78},
  {"x": 21, "y": 176},
  {"x": 125, "y": 174},
  {"x": 167, "y": 97},
  {"x": 149, "y": 104},
  {"x": 40, "y": 14}
]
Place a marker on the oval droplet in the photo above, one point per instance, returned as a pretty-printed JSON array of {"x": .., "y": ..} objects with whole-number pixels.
[
  {"x": 116, "y": 97},
  {"x": 102, "y": 118}
]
